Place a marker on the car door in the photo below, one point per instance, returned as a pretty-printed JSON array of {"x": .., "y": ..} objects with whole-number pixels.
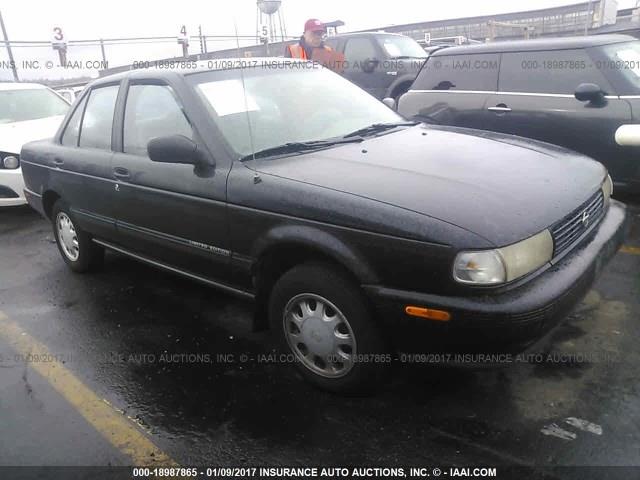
[
  {"x": 82, "y": 161},
  {"x": 365, "y": 65},
  {"x": 171, "y": 213},
  {"x": 536, "y": 99},
  {"x": 452, "y": 90}
]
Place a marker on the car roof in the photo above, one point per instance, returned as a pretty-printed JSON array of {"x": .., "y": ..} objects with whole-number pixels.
[
  {"x": 20, "y": 86},
  {"x": 562, "y": 43},
  {"x": 365, "y": 34},
  {"x": 212, "y": 65}
]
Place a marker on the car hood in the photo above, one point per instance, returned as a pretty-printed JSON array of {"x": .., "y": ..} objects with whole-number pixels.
[
  {"x": 14, "y": 135},
  {"x": 501, "y": 187}
]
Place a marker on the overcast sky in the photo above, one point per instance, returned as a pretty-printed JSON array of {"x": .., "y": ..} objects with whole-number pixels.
[{"x": 86, "y": 19}]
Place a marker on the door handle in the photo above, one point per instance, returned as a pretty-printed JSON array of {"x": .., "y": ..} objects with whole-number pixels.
[
  {"x": 120, "y": 172},
  {"x": 58, "y": 162},
  {"x": 502, "y": 108}
]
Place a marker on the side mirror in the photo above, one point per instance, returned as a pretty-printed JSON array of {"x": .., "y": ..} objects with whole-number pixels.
[
  {"x": 370, "y": 65},
  {"x": 175, "y": 149},
  {"x": 589, "y": 92},
  {"x": 389, "y": 102}
]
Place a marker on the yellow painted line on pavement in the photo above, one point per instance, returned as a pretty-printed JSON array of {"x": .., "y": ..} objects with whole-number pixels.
[
  {"x": 630, "y": 250},
  {"x": 116, "y": 428}
]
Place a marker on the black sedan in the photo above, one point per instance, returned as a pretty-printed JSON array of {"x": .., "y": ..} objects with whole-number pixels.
[{"x": 356, "y": 233}]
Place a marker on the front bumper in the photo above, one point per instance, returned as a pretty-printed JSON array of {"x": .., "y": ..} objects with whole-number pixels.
[
  {"x": 11, "y": 188},
  {"x": 508, "y": 321}
]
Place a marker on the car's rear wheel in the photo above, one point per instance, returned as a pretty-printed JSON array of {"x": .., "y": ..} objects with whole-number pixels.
[
  {"x": 75, "y": 245},
  {"x": 323, "y": 319}
]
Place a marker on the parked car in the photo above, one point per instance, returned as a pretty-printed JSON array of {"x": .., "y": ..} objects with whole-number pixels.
[
  {"x": 383, "y": 64},
  {"x": 574, "y": 92},
  {"x": 356, "y": 233},
  {"x": 28, "y": 111}
]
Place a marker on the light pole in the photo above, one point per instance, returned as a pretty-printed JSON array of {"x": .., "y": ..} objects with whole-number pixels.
[{"x": 8, "y": 45}]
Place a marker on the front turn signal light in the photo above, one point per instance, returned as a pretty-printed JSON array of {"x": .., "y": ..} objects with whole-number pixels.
[{"x": 428, "y": 313}]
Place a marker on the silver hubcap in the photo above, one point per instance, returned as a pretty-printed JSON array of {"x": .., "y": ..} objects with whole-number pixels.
[
  {"x": 319, "y": 335},
  {"x": 67, "y": 236}
]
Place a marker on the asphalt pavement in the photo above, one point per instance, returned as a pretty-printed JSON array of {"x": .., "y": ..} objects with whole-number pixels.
[{"x": 133, "y": 366}]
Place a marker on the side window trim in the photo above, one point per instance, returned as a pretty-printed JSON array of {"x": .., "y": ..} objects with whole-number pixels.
[
  {"x": 499, "y": 71},
  {"x": 87, "y": 96},
  {"x": 118, "y": 117},
  {"x": 522, "y": 94}
]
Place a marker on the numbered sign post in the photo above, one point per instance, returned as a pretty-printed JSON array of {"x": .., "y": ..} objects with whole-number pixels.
[
  {"x": 59, "y": 43},
  {"x": 183, "y": 39}
]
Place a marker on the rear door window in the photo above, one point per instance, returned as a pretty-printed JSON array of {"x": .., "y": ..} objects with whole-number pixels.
[
  {"x": 551, "y": 72},
  {"x": 460, "y": 72},
  {"x": 359, "y": 50},
  {"x": 98, "y": 118}
]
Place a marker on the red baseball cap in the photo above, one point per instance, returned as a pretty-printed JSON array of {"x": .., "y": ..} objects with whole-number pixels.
[{"x": 314, "y": 25}]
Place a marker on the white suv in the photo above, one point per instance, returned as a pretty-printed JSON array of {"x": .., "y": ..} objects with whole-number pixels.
[{"x": 28, "y": 111}]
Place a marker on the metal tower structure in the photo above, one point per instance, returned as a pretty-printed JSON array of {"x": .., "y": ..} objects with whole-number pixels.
[{"x": 270, "y": 24}]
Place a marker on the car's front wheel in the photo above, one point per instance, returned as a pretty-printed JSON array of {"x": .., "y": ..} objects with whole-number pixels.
[
  {"x": 325, "y": 324},
  {"x": 75, "y": 245}
]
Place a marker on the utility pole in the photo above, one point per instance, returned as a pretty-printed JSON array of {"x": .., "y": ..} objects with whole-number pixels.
[
  {"x": 8, "y": 45},
  {"x": 104, "y": 55}
]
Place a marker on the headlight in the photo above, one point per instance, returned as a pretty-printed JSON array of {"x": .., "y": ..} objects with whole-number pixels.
[
  {"x": 493, "y": 267},
  {"x": 479, "y": 268},
  {"x": 607, "y": 189},
  {"x": 10, "y": 162}
]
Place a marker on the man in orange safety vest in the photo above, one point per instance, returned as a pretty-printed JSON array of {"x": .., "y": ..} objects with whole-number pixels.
[{"x": 314, "y": 34}]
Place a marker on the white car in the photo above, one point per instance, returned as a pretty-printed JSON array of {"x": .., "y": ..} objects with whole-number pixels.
[{"x": 28, "y": 112}]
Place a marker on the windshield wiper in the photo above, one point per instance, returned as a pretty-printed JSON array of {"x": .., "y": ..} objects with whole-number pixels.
[
  {"x": 296, "y": 147},
  {"x": 379, "y": 127}
]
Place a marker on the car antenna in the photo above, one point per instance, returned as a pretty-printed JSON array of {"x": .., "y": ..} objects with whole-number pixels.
[{"x": 256, "y": 178}]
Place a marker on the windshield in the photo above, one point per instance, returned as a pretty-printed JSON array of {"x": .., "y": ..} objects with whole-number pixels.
[
  {"x": 398, "y": 46},
  {"x": 297, "y": 102},
  {"x": 30, "y": 104},
  {"x": 624, "y": 58}
]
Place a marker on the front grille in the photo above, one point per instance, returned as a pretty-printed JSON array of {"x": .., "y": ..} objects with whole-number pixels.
[{"x": 570, "y": 228}]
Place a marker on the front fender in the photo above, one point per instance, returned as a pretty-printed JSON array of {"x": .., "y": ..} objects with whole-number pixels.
[{"x": 320, "y": 241}]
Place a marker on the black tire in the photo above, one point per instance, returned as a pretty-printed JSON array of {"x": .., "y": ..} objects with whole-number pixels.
[
  {"x": 331, "y": 284},
  {"x": 90, "y": 256}
]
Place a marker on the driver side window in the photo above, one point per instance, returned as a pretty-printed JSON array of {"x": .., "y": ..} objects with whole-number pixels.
[{"x": 152, "y": 111}]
